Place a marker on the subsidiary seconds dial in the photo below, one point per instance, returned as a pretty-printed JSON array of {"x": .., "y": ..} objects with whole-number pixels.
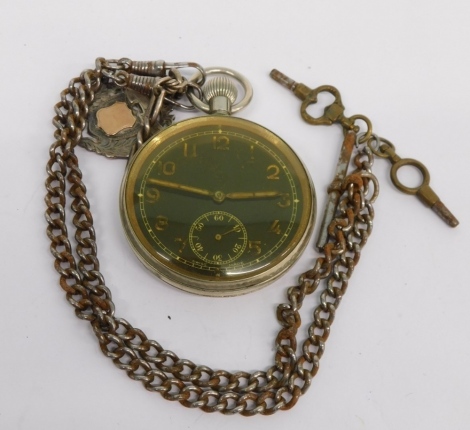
[
  {"x": 218, "y": 238},
  {"x": 217, "y": 205}
]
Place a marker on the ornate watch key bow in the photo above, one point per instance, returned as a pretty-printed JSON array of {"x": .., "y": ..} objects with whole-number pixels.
[{"x": 214, "y": 205}]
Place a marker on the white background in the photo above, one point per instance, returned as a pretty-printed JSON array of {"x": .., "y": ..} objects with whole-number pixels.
[{"x": 398, "y": 356}]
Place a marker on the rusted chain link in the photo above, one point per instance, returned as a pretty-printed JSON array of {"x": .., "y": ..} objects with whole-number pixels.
[{"x": 145, "y": 360}]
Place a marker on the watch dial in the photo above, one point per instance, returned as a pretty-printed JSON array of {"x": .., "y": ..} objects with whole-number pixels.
[{"x": 217, "y": 205}]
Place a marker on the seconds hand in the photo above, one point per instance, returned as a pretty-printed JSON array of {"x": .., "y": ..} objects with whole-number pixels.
[{"x": 236, "y": 229}]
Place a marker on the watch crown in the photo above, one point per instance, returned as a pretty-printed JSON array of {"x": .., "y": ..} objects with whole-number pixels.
[{"x": 220, "y": 93}]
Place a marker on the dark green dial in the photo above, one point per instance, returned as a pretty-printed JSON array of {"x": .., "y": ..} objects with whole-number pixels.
[{"x": 217, "y": 205}]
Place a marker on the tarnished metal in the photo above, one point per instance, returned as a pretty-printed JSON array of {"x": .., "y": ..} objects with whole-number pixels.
[
  {"x": 383, "y": 148},
  {"x": 148, "y": 68},
  {"x": 158, "y": 369},
  {"x": 131, "y": 84},
  {"x": 423, "y": 191},
  {"x": 115, "y": 137},
  {"x": 333, "y": 113},
  {"x": 334, "y": 191},
  {"x": 378, "y": 146}
]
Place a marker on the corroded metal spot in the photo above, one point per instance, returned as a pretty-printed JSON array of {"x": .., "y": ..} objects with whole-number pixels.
[
  {"x": 115, "y": 118},
  {"x": 335, "y": 190}
]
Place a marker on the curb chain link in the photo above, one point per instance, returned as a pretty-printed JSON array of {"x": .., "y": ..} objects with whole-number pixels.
[{"x": 145, "y": 360}]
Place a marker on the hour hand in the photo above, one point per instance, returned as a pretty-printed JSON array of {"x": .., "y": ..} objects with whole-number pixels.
[{"x": 243, "y": 195}]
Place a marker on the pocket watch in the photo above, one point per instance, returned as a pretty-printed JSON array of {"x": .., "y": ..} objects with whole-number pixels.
[{"x": 217, "y": 205}]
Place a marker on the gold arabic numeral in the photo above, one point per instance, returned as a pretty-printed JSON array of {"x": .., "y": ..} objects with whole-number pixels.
[
  {"x": 198, "y": 246},
  {"x": 272, "y": 172},
  {"x": 285, "y": 201},
  {"x": 161, "y": 223},
  {"x": 199, "y": 226},
  {"x": 217, "y": 257},
  {"x": 221, "y": 143},
  {"x": 236, "y": 248},
  {"x": 168, "y": 168},
  {"x": 254, "y": 246},
  {"x": 189, "y": 150},
  {"x": 183, "y": 243},
  {"x": 152, "y": 195},
  {"x": 218, "y": 217},
  {"x": 275, "y": 227}
]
